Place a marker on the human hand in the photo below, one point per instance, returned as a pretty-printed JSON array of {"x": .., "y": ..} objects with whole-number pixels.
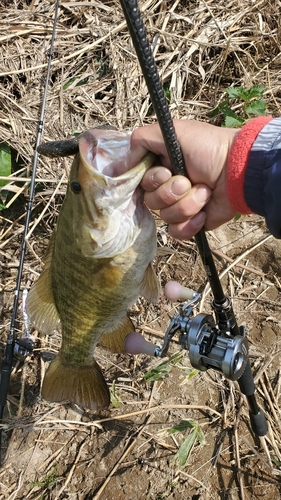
[{"x": 187, "y": 205}]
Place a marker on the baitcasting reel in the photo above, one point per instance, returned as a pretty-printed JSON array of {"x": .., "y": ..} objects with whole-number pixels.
[{"x": 207, "y": 344}]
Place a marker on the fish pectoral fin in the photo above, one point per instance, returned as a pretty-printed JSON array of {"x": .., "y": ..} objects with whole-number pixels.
[
  {"x": 114, "y": 340},
  {"x": 150, "y": 286},
  {"x": 83, "y": 385},
  {"x": 40, "y": 305}
]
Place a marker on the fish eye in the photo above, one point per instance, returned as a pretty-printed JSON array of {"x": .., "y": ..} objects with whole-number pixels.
[{"x": 75, "y": 187}]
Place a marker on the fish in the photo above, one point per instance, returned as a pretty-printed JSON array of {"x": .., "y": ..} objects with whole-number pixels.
[{"x": 98, "y": 262}]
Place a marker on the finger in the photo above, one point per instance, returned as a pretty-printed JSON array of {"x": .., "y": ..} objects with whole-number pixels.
[
  {"x": 187, "y": 229},
  {"x": 168, "y": 193},
  {"x": 188, "y": 206},
  {"x": 155, "y": 177},
  {"x": 148, "y": 138}
]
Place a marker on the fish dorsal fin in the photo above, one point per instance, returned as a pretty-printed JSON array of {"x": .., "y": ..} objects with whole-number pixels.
[
  {"x": 40, "y": 305},
  {"x": 115, "y": 339},
  {"x": 150, "y": 286}
]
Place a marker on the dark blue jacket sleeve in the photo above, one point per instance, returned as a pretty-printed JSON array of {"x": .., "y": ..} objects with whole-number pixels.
[{"x": 262, "y": 185}]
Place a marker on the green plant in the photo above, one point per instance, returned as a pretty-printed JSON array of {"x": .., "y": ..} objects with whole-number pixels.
[
  {"x": 167, "y": 92},
  {"x": 114, "y": 398},
  {"x": 5, "y": 170},
  {"x": 46, "y": 482},
  {"x": 252, "y": 105},
  {"x": 187, "y": 444},
  {"x": 277, "y": 463},
  {"x": 160, "y": 371},
  {"x": 79, "y": 81}
]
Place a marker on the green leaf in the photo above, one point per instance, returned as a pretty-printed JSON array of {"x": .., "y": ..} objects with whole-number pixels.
[
  {"x": 223, "y": 107},
  {"x": 67, "y": 84},
  {"x": 167, "y": 92},
  {"x": 237, "y": 217},
  {"x": 191, "y": 373},
  {"x": 5, "y": 161},
  {"x": 187, "y": 444},
  {"x": 245, "y": 94},
  {"x": 48, "y": 481},
  {"x": 83, "y": 81},
  {"x": 158, "y": 372},
  {"x": 163, "y": 369},
  {"x": 256, "y": 91},
  {"x": 233, "y": 121},
  {"x": 257, "y": 108},
  {"x": 233, "y": 92},
  {"x": 114, "y": 398},
  {"x": 215, "y": 112},
  {"x": 185, "y": 449},
  {"x": 182, "y": 426},
  {"x": 226, "y": 110}
]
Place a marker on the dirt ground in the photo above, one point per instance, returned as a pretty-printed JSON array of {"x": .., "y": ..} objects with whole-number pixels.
[
  {"x": 59, "y": 451},
  {"x": 171, "y": 432}
]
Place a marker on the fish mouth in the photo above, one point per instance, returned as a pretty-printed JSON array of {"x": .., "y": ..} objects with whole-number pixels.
[
  {"x": 111, "y": 200},
  {"x": 106, "y": 153}
]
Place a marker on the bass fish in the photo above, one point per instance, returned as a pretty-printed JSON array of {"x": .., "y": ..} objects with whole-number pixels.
[{"x": 98, "y": 262}]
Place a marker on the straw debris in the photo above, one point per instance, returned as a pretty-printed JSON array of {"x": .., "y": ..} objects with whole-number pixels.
[{"x": 201, "y": 47}]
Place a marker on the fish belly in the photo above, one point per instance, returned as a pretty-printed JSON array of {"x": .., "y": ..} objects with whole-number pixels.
[{"x": 92, "y": 297}]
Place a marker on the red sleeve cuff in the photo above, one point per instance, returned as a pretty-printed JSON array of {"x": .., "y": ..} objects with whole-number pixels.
[{"x": 237, "y": 162}]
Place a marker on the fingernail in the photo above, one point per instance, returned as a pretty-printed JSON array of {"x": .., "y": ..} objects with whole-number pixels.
[
  {"x": 179, "y": 187},
  {"x": 160, "y": 176},
  {"x": 198, "y": 220},
  {"x": 202, "y": 195}
]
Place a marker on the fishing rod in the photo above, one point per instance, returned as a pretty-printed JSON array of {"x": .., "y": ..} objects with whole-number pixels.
[
  {"x": 23, "y": 347},
  {"x": 222, "y": 346}
]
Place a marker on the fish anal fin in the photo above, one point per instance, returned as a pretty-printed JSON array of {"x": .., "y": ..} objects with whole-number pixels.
[
  {"x": 150, "y": 286},
  {"x": 84, "y": 385},
  {"x": 115, "y": 339},
  {"x": 40, "y": 305}
]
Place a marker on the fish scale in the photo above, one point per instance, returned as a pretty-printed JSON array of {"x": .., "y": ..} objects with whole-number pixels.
[{"x": 99, "y": 261}]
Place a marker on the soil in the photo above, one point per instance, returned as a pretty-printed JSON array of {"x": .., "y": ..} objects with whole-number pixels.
[
  {"x": 173, "y": 433},
  {"x": 63, "y": 452}
]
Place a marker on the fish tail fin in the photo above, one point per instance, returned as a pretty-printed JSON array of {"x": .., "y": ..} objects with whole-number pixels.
[
  {"x": 114, "y": 340},
  {"x": 84, "y": 386}
]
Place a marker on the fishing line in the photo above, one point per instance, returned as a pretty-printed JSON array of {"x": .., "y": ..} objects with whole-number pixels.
[{"x": 10, "y": 345}]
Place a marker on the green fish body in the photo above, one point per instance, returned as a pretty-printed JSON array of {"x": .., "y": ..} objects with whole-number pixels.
[{"x": 99, "y": 261}]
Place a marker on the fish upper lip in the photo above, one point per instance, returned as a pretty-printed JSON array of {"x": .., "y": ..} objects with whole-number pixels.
[
  {"x": 107, "y": 158},
  {"x": 106, "y": 153}
]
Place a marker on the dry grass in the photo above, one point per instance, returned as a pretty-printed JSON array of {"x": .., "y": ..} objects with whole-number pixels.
[{"x": 201, "y": 48}]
